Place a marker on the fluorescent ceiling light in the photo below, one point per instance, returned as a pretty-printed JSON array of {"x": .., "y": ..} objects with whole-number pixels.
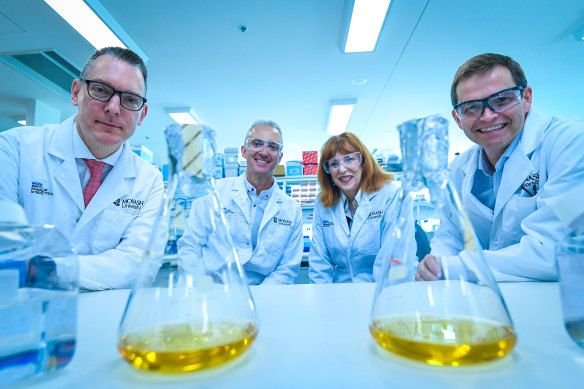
[
  {"x": 339, "y": 116},
  {"x": 78, "y": 14},
  {"x": 366, "y": 22},
  {"x": 184, "y": 115},
  {"x": 22, "y": 122}
]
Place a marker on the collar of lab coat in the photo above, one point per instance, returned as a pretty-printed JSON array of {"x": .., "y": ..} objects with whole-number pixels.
[
  {"x": 61, "y": 147},
  {"x": 361, "y": 212},
  {"x": 242, "y": 200},
  {"x": 517, "y": 167}
]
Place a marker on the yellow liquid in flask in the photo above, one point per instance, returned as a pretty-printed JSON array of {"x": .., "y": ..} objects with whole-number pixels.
[
  {"x": 181, "y": 348},
  {"x": 437, "y": 340}
]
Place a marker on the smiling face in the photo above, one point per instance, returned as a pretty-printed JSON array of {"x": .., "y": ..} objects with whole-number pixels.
[
  {"x": 347, "y": 178},
  {"x": 104, "y": 126},
  {"x": 494, "y": 131},
  {"x": 262, "y": 162}
]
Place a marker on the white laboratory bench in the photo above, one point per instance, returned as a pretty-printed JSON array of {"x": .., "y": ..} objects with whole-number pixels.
[{"x": 317, "y": 336}]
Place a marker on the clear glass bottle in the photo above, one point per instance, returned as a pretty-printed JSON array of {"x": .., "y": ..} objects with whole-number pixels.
[
  {"x": 203, "y": 315},
  {"x": 39, "y": 278},
  {"x": 461, "y": 318}
]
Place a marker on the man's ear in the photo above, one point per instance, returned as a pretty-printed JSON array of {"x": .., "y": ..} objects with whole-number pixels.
[
  {"x": 457, "y": 119},
  {"x": 75, "y": 89}
]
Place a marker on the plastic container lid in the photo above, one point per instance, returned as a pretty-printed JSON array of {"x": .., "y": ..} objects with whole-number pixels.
[{"x": 12, "y": 213}]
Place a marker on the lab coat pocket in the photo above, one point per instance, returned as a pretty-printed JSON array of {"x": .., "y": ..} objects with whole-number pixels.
[
  {"x": 369, "y": 240},
  {"x": 111, "y": 229},
  {"x": 517, "y": 209}
]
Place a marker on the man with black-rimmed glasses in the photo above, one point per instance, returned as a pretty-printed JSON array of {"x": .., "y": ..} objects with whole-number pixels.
[
  {"x": 83, "y": 177},
  {"x": 521, "y": 164},
  {"x": 265, "y": 223}
]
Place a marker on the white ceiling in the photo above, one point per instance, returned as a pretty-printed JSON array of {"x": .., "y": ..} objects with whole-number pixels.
[{"x": 288, "y": 64}]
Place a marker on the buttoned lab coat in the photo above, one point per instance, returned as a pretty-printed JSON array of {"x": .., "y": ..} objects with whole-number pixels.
[
  {"x": 520, "y": 234},
  {"x": 40, "y": 173},
  {"x": 276, "y": 258},
  {"x": 335, "y": 250}
]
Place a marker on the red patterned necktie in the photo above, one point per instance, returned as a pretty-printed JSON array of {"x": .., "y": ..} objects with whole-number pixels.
[{"x": 96, "y": 170}]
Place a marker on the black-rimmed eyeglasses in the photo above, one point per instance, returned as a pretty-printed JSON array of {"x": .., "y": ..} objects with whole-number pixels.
[
  {"x": 103, "y": 92},
  {"x": 497, "y": 102}
]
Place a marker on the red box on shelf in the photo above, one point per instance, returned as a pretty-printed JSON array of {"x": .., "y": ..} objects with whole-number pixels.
[
  {"x": 311, "y": 169},
  {"x": 309, "y": 157}
]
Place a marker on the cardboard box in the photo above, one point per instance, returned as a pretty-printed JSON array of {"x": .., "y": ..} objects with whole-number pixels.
[
  {"x": 311, "y": 169},
  {"x": 309, "y": 157},
  {"x": 280, "y": 171}
]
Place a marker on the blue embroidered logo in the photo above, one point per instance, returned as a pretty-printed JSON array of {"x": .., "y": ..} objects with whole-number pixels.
[
  {"x": 37, "y": 188},
  {"x": 327, "y": 223}
]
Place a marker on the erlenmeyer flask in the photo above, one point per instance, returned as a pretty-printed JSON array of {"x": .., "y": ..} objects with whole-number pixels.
[
  {"x": 203, "y": 315},
  {"x": 461, "y": 318}
]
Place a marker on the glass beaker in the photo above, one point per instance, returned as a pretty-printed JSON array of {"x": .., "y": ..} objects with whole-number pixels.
[
  {"x": 570, "y": 262},
  {"x": 203, "y": 315},
  {"x": 39, "y": 277},
  {"x": 459, "y": 318}
]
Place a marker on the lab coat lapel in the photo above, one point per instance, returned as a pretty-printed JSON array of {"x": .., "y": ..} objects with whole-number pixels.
[
  {"x": 61, "y": 150},
  {"x": 362, "y": 212},
  {"x": 340, "y": 217},
  {"x": 115, "y": 186},
  {"x": 240, "y": 197},
  {"x": 274, "y": 204},
  {"x": 468, "y": 179},
  {"x": 518, "y": 167}
]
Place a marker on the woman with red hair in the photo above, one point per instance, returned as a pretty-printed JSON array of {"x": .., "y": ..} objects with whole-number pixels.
[{"x": 354, "y": 214}]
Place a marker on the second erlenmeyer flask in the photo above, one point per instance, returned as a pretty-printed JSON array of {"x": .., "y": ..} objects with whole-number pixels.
[
  {"x": 203, "y": 315},
  {"x": 460, "y": 318}
]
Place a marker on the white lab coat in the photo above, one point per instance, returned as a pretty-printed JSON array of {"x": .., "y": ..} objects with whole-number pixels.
[
  {"x": 276, "y": 258},
  {"x": 366, "y": 245},
  {"x": 40, "y": 173},
  {"x": 519, "y": 235}
]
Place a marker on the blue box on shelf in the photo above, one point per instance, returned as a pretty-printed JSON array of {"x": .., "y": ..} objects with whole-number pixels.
[{"x": 294, "y": 168}]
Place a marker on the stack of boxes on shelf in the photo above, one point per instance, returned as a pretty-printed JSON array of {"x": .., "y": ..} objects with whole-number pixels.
[
  {"x": 219, "y": 162},
  {"x": 304, "y": 193},
  {"x": 228, "y": 164},
  {"x": 231, "y": 167},
  {"x": 310, "y": 163}
]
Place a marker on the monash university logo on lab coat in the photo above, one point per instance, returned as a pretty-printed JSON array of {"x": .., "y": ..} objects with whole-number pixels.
[
  {"x": 282, "y": 222},
  {"x": 327, "y": 223},
  {"x": 375, "y": 215},
  {"x": 531, "y": 184},
  {"x": 129, "y": 203},
  {"x": 37, "y": 188}
]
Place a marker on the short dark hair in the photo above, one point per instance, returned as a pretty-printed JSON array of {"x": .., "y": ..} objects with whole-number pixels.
[
  {"x": 120, "y": 53},
  {"x": 483, "y": 63}
]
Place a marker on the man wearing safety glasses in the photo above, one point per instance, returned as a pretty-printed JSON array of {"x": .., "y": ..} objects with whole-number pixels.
[
  {"x": 82, "y": 176},
  {"x": 265, "y": 223},
  {"x": 522, "y": 163}
]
